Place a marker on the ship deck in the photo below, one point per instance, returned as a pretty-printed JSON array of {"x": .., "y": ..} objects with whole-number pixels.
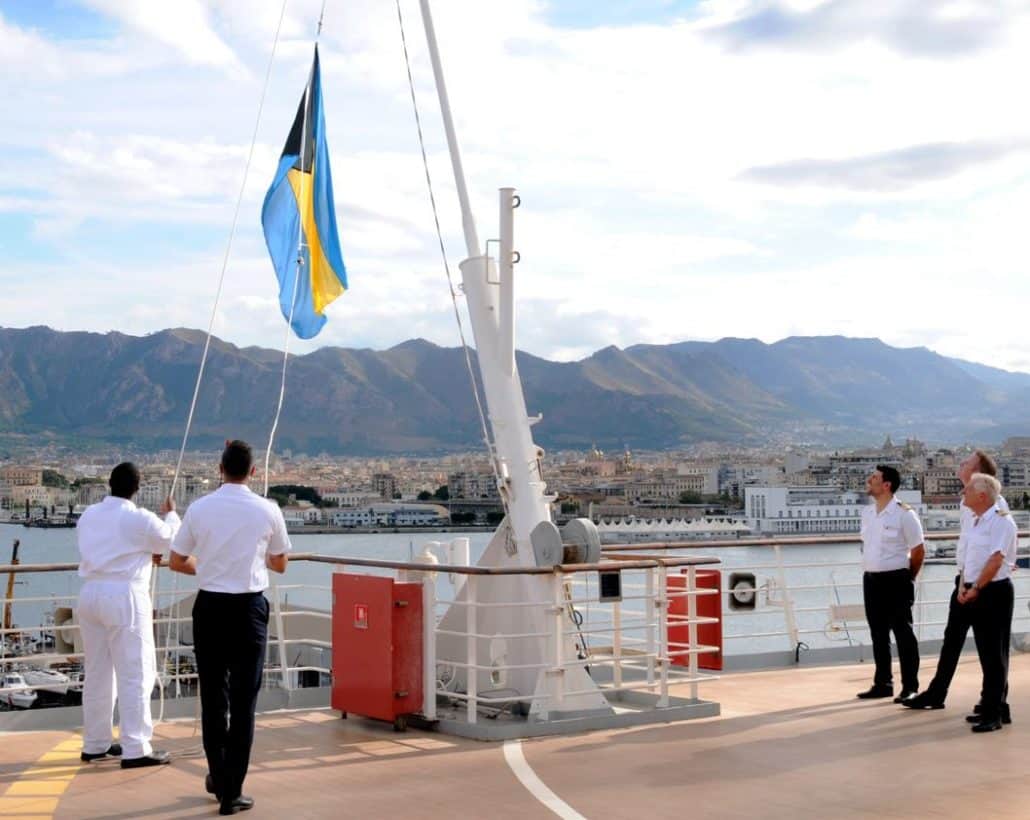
[{"x": 789, "y": 743}]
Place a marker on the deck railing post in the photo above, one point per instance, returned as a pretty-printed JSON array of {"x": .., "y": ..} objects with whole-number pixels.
[
  {"x": 428, "y": 647},
  {"x": 649, "y": 622},
  {"x": 692, "y": 629},
  {"x": 788, "y": 603},
  {"x": 280, "y": 636},
  {"x": 617, "y": 644},
  {"x": 662, "y": 607},
  {"x": 471, "y": 643},
  {"x": 558, "y": 639}
]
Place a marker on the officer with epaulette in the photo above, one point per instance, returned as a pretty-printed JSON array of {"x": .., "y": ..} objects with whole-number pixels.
[
  {"x": 986, "y": 589},
  {"x": 892, "y": 555},
  {"x": 958, "y": 624}
]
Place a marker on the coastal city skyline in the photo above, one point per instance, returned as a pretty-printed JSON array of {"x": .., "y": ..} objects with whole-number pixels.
[
  {"x": 319, "y": 491},
  {"x": 698, "y": 169}
]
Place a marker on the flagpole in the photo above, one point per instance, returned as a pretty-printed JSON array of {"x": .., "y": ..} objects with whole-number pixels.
[{"x": 467, "y": 221}]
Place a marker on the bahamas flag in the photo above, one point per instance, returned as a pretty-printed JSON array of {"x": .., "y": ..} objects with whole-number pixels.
[{"x": 299, "y": 219}]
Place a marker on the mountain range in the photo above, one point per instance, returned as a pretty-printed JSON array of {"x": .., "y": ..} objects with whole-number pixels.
[{"x": 416, "y": 398}]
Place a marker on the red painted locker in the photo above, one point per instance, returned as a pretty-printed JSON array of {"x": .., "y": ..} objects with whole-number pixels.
[
  {"x": 708, "y": 606},
  {"x": 377, "y": 647}
]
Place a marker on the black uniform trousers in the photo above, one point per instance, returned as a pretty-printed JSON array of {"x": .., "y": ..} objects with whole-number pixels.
[
  {"x": 955, "y": 633},
  {"x": 991, "y": 618},
  {"x": 888, "y": 608},
  {"x": 230, "y": 636}
]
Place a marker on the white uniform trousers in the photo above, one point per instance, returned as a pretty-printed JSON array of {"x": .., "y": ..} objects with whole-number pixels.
[{"x": 118, "y": 642}]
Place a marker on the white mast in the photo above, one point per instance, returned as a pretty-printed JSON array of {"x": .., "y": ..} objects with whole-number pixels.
[
  {"x": 503, "y": 629},
  {"x": 491, "y": 308},
  {"x": 472, "y": 245}
]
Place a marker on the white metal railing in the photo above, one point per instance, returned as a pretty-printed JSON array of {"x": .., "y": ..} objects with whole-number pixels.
[
  {"x": 173, "y": 656},
  {"x": 628, "y": 636},
  {"x": 633, "y": 631},
  {"x": 791, "y": 590},
  {"x": 796, "y": 602}
]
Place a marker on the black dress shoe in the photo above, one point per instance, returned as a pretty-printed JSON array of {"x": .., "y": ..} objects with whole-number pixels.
[
  {"x": 924, "y": 700},
  {"x": 987, "y": 726},
  {"x": 155, "y": 758},
  {"x": 114, "y": 750},
  {"x": 906, "y": 694},
  {"x": 241, "y": 803},
  {"x": 209, "y": 787},
  {"x": 876, "y": 691},
  {"x": 1005, "y": 718}
]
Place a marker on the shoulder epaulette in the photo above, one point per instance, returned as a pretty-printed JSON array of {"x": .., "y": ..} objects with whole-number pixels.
[
  {"x": 1003, "y": 512},
  {"x": 904, "y": 506}
]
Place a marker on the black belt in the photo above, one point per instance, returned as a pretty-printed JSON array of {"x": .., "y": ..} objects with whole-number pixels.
[{"x": 890, "y": 571}]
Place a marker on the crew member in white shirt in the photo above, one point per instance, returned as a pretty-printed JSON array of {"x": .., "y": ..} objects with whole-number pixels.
[
  {"x": 892, "y": 555},
  {"x": 958, "y": 625},
  {"x": 987, "y": 591},
  {"x": 118, "y": 543},
  {"x": 229, "y": 540}
]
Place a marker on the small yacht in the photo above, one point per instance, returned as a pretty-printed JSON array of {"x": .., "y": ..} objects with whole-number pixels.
[
  {"x": 50, "y": 686},
  {"x": 23, "y": 699}
]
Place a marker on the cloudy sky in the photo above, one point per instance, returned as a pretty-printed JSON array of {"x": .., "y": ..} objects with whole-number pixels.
[{"x": 689, "y": 169}]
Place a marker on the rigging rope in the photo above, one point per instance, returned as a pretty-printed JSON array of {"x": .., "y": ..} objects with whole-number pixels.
[
  {"x": 491, "y": 450},
  {"x": 207, "y": 345},
  {"x": 286, "y": 353}
]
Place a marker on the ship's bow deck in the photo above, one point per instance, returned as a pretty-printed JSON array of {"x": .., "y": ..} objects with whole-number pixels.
[{"x": 790, "y": 743}]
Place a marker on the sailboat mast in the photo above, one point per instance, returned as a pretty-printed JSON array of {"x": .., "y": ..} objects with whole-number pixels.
[{"x": 468, "y": 223}]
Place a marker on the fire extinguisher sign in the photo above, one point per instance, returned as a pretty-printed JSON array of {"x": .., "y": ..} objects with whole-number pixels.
[{"x": 361, "y": 616}]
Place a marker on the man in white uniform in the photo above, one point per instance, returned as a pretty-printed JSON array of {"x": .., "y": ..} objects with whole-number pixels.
[
  {"x": 987, "y": 591},
  {"x": 117, "y": 543},
  {"x": 958, "y": 615},
  {"x": 229, "y": 540},
  {"x": 892, "y": 555}
]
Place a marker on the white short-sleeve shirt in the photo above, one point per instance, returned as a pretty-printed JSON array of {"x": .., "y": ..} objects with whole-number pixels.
[
  {"x": 888, "y": 535},
  {"x": 965, "y": 518},
  {"x": 117, "y": 540},
  {"x": 992, "y": 532},
  {"x": 230, "y": 532}
]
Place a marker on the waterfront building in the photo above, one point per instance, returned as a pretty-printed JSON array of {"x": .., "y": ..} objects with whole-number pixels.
[
  {"x": 389, "y": 515},
  {"x": 22, "y": 476},
  {"x": 468, "y": 484},
  {"x": 708, "y": 474},
  {"x": 384, "y": 485},
  {"x": 351, "y": 498},
  {"x": 812, "y": 510},
  {"x": 661, "y": 487}
]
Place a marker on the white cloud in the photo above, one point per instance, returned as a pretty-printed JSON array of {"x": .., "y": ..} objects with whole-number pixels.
[
  {"x": 183, "y": 25},
  {"x": 629, "y": 144}
]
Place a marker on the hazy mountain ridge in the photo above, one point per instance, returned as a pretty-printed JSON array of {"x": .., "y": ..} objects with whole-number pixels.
[{"x": 415, "y": 397}]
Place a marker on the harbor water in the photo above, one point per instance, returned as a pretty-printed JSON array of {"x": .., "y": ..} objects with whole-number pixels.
[{"x": 814, "y": 579}]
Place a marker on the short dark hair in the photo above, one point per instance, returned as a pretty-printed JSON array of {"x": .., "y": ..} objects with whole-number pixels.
[
  {"x": 237, "y": 459},
  {"x": 890, "y": 475},
  {"x": 124, "y": 480},
  {"x": 988, "y": 465}
]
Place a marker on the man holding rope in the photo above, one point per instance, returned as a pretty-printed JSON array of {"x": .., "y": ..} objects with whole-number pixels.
[
  {"x": 229, "y": 540},
  {"x": 118, "y": 543}
]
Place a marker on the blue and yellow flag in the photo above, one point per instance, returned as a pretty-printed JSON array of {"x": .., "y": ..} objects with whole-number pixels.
[{"x": 300, "y": 220}]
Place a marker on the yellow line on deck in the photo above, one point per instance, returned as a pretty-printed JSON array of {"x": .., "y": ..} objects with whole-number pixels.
[{"x": 35, "y": 795}]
